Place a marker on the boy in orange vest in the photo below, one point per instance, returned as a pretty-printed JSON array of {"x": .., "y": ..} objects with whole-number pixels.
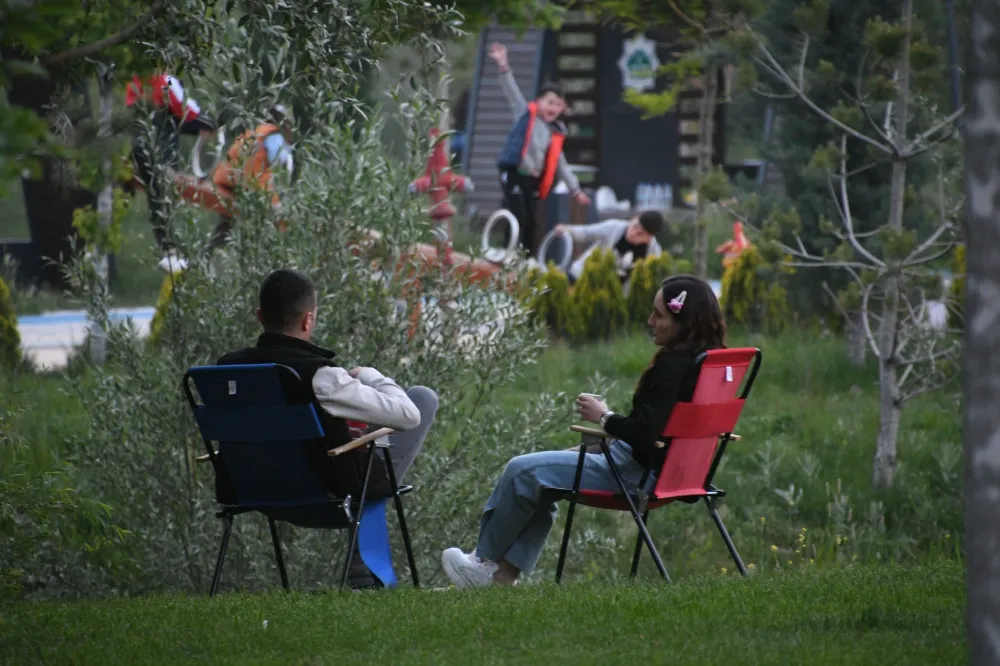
[
  {"x": 532, "y": 155},
  {"x": 250, "y": 161}
]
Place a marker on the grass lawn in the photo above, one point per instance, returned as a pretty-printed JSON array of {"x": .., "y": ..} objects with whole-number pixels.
[{"x": 885, "y": 615}]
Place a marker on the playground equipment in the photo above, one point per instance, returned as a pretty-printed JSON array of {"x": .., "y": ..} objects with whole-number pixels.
[
  {"x": 564, "y": 258},
  {"x": 220, "y": 152},
  {"x": 734, "y": 247},
  {"x": 500, "y": 255},
  {"x": 438, "y": 182}
]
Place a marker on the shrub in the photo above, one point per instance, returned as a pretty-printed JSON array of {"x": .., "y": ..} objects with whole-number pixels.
[
  {"x": 136, "y": 408},
  {"x": 598, "y": 298},
  {"x": 44, "y": 521},
  {"x": 547, "y": 295},
  {"x": 752, "y": 294},
  {"x": 10, "y": 339},
  {"x": 647, "y": 275},
  {"x": 162, "y": 306},
  {"x": 683, "y": 266}
]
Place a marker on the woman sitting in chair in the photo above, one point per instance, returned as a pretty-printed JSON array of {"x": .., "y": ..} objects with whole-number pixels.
[{"x": 686, "y": 321}]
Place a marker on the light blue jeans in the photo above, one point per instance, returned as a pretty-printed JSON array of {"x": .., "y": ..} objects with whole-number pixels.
[{"x": 519, "y": 514}]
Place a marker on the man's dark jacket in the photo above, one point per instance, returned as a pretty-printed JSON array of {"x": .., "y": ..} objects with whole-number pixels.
[{"x": 340, "y": 476}]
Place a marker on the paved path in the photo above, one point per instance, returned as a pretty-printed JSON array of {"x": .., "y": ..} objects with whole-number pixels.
[{"x": 48, "y": 338}]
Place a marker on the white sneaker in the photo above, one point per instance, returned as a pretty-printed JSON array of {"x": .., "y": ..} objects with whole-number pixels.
[
  {"x": 467, "y": 570},
  {"x": 172, "y": 262}
]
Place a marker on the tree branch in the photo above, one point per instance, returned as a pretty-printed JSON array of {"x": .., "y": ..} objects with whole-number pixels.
[
  {"x": 775, "y": 68},
  {"x": 684, "y": 18},
  {"x": 919, "y": 145},
  {"x": 847, "y": 316},
  {"x": 108, "y": 42},
  {"x": 843, "y": 203},
  {"x": 859, "y": 91},
  {"x": 770, "y": 95},
  {"x": 920, "y": 261},
  {"x": 930, "y": 357},
  {"x": 802, "y": 62},
  {"x": 872, "y": 341},
  {"x": 928, "y": 387},
  {"x": 927, "y": 244}
]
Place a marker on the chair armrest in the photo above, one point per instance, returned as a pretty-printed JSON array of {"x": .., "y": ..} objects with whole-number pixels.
[
  {"x": 360, "y": 441},
  {"x": 585, "y": 430},
  {"x": 597, "y": 432}
]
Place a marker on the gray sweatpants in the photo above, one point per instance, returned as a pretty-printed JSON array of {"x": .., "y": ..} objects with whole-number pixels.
[{"x": 404, "y": 445}]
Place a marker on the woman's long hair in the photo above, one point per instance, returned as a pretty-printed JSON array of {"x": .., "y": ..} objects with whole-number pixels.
[{"x": 701, "y": 326}]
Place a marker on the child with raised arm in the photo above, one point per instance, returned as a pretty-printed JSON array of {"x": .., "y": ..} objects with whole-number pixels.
[{"x": 532, "y": 156}]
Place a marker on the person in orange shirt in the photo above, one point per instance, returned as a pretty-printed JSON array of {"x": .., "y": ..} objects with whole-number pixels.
[{"x": 250, "y": 161}]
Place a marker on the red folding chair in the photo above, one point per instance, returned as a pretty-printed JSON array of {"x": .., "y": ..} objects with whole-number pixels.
[{"x": 696, "y": 437}]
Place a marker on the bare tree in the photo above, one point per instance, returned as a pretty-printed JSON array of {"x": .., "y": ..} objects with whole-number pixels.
[
  {"x": 891, "y": 266},
  {"x": 105, "y": 206},
  {"x": 981, "y": 363}
]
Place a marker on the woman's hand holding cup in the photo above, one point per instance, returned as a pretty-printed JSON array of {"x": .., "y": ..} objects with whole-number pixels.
[{"x": 591, "y": 407}]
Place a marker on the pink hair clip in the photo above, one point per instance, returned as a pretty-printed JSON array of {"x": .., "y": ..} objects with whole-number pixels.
[{"x": 677, "y": 302}]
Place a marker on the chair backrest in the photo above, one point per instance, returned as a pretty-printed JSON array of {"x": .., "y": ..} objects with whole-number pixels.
[
  {"x": 247, "y": 411},
  {"x": 696, "y": 428}
]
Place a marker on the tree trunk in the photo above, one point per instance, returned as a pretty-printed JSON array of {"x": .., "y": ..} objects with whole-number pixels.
[
  {"x": 857, "y": 342},
  {"x": 890, "y": 411},
  {"x": 105, "y": 211},
  {"x": 890, "y": 407},
  {"x": 444, "y": 125},
  {"x": 981, "y": 360},
  {"x": 706, "y": 145}
]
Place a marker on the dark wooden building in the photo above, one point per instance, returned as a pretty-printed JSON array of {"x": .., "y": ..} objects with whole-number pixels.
[{"x": 609, "y": 141}]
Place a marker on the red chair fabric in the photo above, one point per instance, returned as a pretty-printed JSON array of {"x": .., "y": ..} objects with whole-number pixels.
[{"x": 696, "y": 437}]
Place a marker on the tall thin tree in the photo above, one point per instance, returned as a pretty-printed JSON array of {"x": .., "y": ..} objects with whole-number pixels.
[{"x": 981, "y": 366}]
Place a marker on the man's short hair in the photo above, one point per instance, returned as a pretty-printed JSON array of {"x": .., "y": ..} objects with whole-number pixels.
[
  {"x": 651, "y": 221},
  {"x": 551, "y": 87},
  {"x": 285, "y": 296}
]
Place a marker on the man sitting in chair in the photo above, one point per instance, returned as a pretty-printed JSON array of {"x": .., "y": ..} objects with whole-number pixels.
[{"x": 287, "y": 312}]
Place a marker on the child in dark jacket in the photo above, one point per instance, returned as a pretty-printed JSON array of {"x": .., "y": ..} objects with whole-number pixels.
[{"x": 532, "y": 156}]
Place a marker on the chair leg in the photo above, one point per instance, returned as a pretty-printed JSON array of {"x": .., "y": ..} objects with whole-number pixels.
[
  {"x": 357, "y": 518},
  {"x": 227, "y": 521},
  {"x": 638, "y": 548},
  {"x": 398, "y": 502},
  {"x": 277, "y": 553},
  {"x": 565, "y": 540},
  {"x": 410, "y": 559},
  {"x": 725, "y": 536},
  {"x": 643, "y": 532},
  {"x": 569, "y": 514},
  {"x": 352, "y": 544}
]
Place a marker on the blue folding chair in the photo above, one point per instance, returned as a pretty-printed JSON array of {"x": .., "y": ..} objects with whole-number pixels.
[{"x": 246, "y": 410}]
